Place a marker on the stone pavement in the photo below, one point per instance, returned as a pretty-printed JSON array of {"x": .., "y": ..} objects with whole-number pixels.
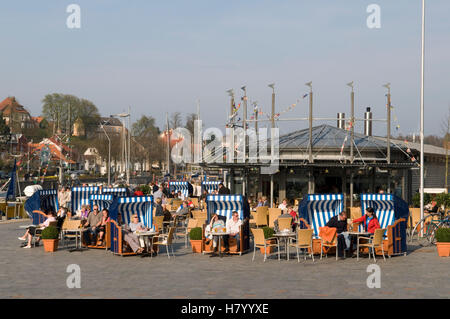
[{"x": 32, "y": 273}]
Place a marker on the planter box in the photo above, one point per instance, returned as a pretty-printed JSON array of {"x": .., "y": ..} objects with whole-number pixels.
[
  {"x": 50, "y": 245},
  {"x": 443, "y": 249},
  {"x": 269, "y": 250},
  {"x": 196, "y": 246}
]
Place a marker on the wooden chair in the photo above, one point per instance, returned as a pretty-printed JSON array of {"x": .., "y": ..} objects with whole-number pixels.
[
  {"x": 176, "y": 203},
  {"x": 192, "y": 223},
  {"x": 158, "y": 222},
  {"x": 68, "y": 228},
  {"x": 303, "y": 240},
  {"x": 376, "y": 241},
  {"x": 260, "y": 242},
  {"x": 261, "y": 216},
  {"x": 164, "y": 240},
  {"x": 329, "y": 244},
  {"x": 273, "y": 215},
  {"x": 355, "y": 212},
  {"x": 284, "y": 223}
]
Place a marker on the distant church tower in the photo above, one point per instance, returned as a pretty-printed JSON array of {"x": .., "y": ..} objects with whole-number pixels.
[{"x": 78, "y": 128}]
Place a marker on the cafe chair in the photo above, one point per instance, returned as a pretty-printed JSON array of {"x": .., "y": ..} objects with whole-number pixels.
[
  {"x": 284, "y": 223},
  {"x": 164, "y": 240},
  {"x": 303, "y": 240},
  {"x": 375, "y": 241},
  {"x": 260, "y": 242}
]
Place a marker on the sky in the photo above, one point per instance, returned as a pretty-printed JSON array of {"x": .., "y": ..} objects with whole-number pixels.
[{"x": 164, "y": 56}]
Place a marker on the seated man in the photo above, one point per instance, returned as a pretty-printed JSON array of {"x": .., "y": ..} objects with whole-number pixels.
[
  {"x": 31, "y": 231},
  {"x": 183, "y": 210},
  {"x": 340, "y": 223},
  {"x": 233, "y": 227},
  {"x": 92, "y": 225}
]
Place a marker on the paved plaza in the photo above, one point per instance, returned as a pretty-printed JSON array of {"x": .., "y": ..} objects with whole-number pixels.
[{"x": 33, "y": 273}]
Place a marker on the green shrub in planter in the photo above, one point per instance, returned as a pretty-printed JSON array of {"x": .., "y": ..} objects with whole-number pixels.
[
  {"x": 443, "y": 235},
  {"x": 195, "y": 233},
  {"x": 50, "y": 232},
  {"x": 268, "y": 232}
]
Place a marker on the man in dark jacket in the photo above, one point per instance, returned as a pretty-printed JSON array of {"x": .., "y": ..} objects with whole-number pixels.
[{"x": 340, "y": 223}]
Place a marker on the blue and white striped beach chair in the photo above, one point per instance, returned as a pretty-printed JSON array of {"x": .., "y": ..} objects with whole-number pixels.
[
  {"x": 184, "y": 187},
  {"x": 127, "y": 206},
  {"x": 42, "y": 200},
  {"x": 389, "y": 209},
  {"x": 210, "y": 186},
  {"x": 101, "y": 200},
  {"x": 318, "y": 209},
  {"x": 224, "y": 205},
  {"x": 116, "y": 191},
  {"x": 80, "y": 196}
]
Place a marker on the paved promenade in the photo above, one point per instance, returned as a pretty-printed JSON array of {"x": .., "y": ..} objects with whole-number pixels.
[{"x": 32, "y": 273}]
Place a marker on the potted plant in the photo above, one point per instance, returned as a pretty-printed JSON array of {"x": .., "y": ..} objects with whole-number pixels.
[
  {"x": 268, "y": 233},
  {"x": 443, "y": 242},
  {"x": 49, "y": 236},
  {"x": 195, "y": 237}
]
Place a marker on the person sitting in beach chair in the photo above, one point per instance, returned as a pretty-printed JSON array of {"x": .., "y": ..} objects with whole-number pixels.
[{"x": 33, "y": 230}]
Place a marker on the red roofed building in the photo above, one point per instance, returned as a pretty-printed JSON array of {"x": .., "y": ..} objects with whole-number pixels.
[
  {"x": 15, "y": 115},
  {"x": 58, "y": 150}
]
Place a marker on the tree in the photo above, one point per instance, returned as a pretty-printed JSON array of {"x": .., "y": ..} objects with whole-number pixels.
[
  {"x": 64, "y": 109},
  {"x": 175, "y": 120},
  {"x": 190, "y": 120},
  {"x": 146, "y": 141},
  {"x": 4, "y": 129}
]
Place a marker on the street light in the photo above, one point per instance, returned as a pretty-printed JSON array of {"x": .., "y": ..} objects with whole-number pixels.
[
  {"x": 109, "y": 154},
  {"x": 422, "y": 85},
  {"x": 126, "y": 157}
]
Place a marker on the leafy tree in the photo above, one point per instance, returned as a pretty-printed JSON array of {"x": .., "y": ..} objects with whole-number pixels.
[
  {"x": 190, "y": 120},
  {"x": 4, "y": 129},
  {"x": 175, "y": 120}
]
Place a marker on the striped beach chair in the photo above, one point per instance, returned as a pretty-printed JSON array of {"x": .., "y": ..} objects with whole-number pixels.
[
  {"x": 224, "y": 205},
  {"x": 116, "y": 191},
  {"x": 184, "y": 187},
  {"x": 317, "y": 209},
  {"x": 210, "y": 186},
  {"x": 392, "y": 213},
  {"x": 41, "y": 200},
  {"x": 80, "y": 196},
  {"x": 127, "y": 206},
  {"x": 101, "y": 200}
]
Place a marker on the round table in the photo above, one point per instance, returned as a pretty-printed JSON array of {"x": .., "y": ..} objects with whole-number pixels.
[
  {"x": 146, "y": 234},
  {"x": 285, "y": 236},
  {"x": 220, "y": 234}
]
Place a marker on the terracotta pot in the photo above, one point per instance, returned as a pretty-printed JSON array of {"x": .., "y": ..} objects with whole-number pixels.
[
  {"x": 50, "y": 245},
  {"x": 196, "y": 246},
  {"x": 443, "y": 249},
  {"x": 269, "y": 250}
]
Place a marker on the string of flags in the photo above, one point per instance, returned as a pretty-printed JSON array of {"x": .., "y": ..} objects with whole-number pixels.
[{"x": 277, "y": 115}]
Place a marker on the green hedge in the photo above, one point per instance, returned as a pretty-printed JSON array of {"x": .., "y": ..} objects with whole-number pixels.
[
  {"x": 443, "y": 235},
  {"x": 416, "y": 199}
]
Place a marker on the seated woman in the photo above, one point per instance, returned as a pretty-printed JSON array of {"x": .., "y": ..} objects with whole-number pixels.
[
  {"x": 215, "y": 223},
  {"x": 369, "y": 220},
  {"x": 129, "y": 237},
  {"x": 31, "y": 231},
  {"x": 102, "y": 228},
  {"x": 136, "y": 225}
]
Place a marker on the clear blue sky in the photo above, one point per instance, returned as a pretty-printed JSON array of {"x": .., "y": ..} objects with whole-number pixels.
[{"x": 161, "y": 56}]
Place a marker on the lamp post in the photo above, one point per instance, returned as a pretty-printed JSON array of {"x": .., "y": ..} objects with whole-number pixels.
[
  {"x": 272, "y": 86},
  {"x": 124, "y": 145},
  {"x": 109, "y": 155},
  {"x": 422, "y": 84},
  {"x": 352, "y": 137}
]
